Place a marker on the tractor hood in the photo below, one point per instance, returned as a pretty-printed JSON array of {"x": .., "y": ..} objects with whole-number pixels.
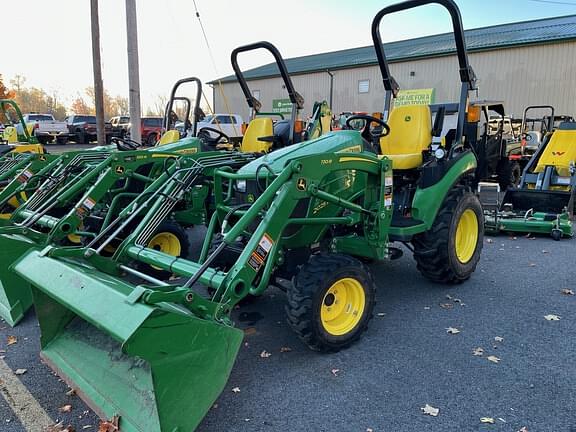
[{"x": 334, "y": 142}]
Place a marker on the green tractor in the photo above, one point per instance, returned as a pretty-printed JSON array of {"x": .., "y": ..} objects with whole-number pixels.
[
  {"x": 69, "y": 199},
  {"x": 158, "y": 353},
  {"x": 10, "y": 140}
]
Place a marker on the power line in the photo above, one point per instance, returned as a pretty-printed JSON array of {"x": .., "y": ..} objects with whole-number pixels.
[{"x": 554, "y": 2}]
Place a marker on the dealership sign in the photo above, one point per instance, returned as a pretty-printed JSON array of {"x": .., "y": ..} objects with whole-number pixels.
[
  {"x": 282, "y": 106},
  {"x": 415, "y": 97}
]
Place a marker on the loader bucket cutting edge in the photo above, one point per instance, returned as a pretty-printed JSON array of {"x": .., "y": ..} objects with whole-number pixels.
[
  {"x": 158, "y": 368},
  {"x": 15, "y": 294}
]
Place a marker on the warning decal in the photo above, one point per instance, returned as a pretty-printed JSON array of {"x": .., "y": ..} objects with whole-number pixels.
[{"x": 261, "y": 252}]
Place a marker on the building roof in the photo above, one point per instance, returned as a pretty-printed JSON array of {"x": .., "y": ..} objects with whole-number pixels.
[{"x": 539, "y": 31}]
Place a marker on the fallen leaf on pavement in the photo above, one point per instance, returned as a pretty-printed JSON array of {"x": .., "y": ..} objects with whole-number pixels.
[
  {"x": 489, "y": 420},
  {"x": 71, "y": 392},
  {"x": 489, "y": 241},
  {"x": 369, "y": 430},
  {"x": 567, "y": 291},
  {"x": 335, "y": 372},
  {"x": 381, "y": 314},
  {"x": 249, "y": 331},
  {"x": 478, "y": 351},
  {"x": 109, "y": 425},
  {"x": 65, "y": 408},
  {"x": 499, "y": 339},
  {"x": 446, "y": 305},
  {"x": 20, "y": 371},
  {"x": 430, "y": 410},
  {"x": 59, "y": 428},
  {"x": 523, "y": 429},
  {"x": 545, "y": 251},
  {"x": 85, "y": 427},
  {"x": 551, "y": 317},
  {"x": 12, "y": 340},
  {"x": 236, "y": 390},
  {"x": 493, "y": 359},
  {"x": 265, "y": 354},
  {"x": 532, "y": 265},
  {"x": 452, "y": 330},
  {"x": 285, "y": 349}
]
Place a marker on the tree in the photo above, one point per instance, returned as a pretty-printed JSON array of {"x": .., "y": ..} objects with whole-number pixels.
[
  {"x": 79, "y": 106},
  {"x": 113, "y": 106},
  {"x": 4, "y": 94}
]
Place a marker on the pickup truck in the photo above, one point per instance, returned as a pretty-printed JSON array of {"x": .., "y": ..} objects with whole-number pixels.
[
  {"x": 45, "y": 128},
  {"x": 229, "y": 124},
  {"x": 120, "y": 125},
  {"x": 82, "y": 128}
]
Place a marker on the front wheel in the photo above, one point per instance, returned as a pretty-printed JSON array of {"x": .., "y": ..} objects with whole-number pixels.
[
  {"x": 450, "y": 250},
  {"x": 330, "y": 302},
  {"x": 170, "y": 238}
]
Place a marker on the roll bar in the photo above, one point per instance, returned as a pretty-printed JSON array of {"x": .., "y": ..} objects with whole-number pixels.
[
  {"x": 467, "y": 75},
  {"x": 173, "y": 98},
  {"x": 550, "y": 124},
  {"x": 254, "y": 103}
]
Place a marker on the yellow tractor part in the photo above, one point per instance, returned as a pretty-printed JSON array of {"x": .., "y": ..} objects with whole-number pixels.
[
  {"x": 342, "y": 306},
  {"x": 559, "y": 153},
  {"x": 259, "y": 127},
  {"x": 10, "y": 135},
  {"x": 410, "y": 135},
  {"x": 166, "y": 242},
  {"x": 466, "y": 236},
  {"x": 169, "y": 137}
]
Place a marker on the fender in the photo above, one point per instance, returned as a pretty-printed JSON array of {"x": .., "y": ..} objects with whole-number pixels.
[{"x": 427, "y": 200}]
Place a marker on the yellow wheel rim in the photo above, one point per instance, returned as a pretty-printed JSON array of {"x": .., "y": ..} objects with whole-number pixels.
[
  {"x": 342, "y": 306},
  {"x": 466, "y": 236},
  {"x": 166, "y": 242}
]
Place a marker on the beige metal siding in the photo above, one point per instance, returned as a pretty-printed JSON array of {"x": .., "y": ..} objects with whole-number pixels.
[{"x": 540, "y": 74}]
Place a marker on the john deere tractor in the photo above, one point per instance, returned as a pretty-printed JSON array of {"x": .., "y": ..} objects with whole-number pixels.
[
  {"x": 158, "y": 353},
  {"x": 10, "y": 139}
]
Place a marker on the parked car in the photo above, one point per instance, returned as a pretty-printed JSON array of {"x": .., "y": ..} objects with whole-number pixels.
[
  {"x": 151, "y": 129},
  {"x": 229, "y": 124},
  {"x": 82, "y": 128},
  {"x": 120, "y": 125},
  {"x": 45, "y": 128}
]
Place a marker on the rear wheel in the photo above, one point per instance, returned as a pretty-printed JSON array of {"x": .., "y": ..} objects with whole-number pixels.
[
  {"x": 330, "y": 301},
  {"x": 449, "y": 252}
]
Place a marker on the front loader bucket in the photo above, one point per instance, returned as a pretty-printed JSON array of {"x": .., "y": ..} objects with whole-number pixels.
[
  {"x": 15, "y": 294},
  {"x": 158, "y": 367}
]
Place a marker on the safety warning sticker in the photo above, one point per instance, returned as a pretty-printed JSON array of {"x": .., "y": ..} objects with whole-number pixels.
[
  {"x": 25, "y": 176},
  {"x": 261, "y": 252}
]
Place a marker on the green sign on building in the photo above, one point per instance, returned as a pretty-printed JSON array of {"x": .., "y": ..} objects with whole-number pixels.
[{"x": 282, "y": 106}]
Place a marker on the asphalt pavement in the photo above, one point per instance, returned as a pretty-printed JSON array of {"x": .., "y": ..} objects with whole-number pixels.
[{"x": 522, "y": 377}]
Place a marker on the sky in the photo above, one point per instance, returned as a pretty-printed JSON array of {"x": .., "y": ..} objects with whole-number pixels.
[{"x": 51, "y": 42}]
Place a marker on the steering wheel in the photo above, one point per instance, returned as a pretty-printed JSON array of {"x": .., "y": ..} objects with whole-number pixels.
[
  {"x": 208, "y": 140},
  {"x": 368, "y": 133},
  {"x": 125, "y": 144}
]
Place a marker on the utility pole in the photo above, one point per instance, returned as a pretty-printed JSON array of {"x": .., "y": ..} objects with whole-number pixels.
[
  {"x": 331, "y": 86},
  {"x": 97, "y": 67},
  {"x": 133, "y": 70}
]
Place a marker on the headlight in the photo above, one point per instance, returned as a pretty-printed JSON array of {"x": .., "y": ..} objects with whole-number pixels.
[{"x": 241, "y": 185}]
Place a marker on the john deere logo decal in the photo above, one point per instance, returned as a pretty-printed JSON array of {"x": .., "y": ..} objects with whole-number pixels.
[
  {"x": 250, "y": 198},
  {"x": 42, "y": 158},
  {"x": 407, "y": 118},
  {"x": 119, "y": 169},
  {"x": 301, "y": 184}
]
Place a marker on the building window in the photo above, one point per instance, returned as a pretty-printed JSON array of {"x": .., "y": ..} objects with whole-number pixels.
[{"x": 363, "y": 86}]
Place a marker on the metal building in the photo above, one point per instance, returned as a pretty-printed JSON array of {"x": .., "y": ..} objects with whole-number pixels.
[{"x": 524, "y": 63}]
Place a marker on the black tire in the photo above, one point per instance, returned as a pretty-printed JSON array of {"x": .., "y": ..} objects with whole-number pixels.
[
  {"x": 309, "y": 292},
  {"x": 177, "y": 231},
  {"x": 81, "y": 138},
  {"x": 435, "y": 251},
  {"x": 151, "y": 139},
  {"x": 556, "y": 234}
]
